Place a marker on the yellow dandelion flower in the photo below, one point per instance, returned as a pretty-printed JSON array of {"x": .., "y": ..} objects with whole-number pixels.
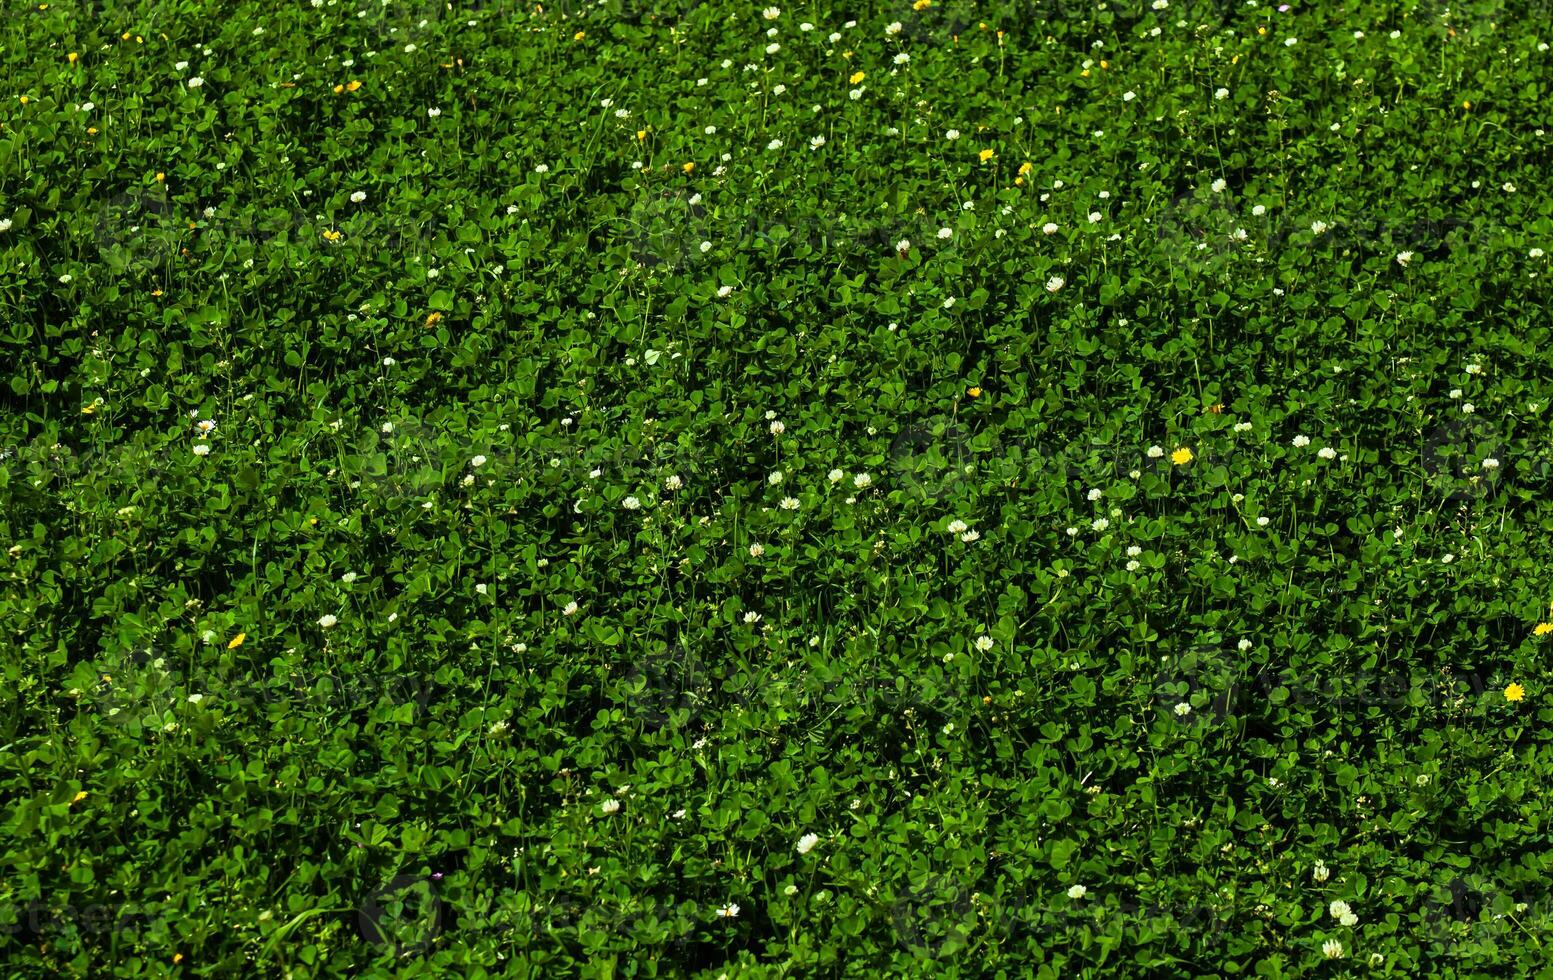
[
  {"x": 856, "y": 77},
  {"x": 689, "y": 167},
  {"x": 237, "y": 641},
  {"x": 433, "y": 319},
  {"x": 331, "y": 236},
  {"x": 579, "y": 35},
  {"x": 1105, "y": 64},
  {"x": 1025, "y": 168},
  {"x": 161, "y": 178},
  {"x": 1543, "y": 629},
  {"x": 974, "y": 392},
  {"x": 922, "y": 4},
  {"x": 1514, "y": 692},
  {"x": 986, "y": 155},
  {"x": 91, "y": 130},
  {"x": 338, "y": 89},
  {"x": 1181, "y": 456},
  {"x": 352, "y": 85},
  {"x": 1466, "y": 105}
]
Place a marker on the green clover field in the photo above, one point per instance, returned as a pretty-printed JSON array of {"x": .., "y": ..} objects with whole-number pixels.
[{"x": 676, "y": 488}]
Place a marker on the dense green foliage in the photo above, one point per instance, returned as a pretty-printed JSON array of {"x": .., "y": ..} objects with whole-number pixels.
[{"x": 482, "y": 483}]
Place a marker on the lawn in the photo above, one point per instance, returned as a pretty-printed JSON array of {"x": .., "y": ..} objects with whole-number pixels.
[{"x": 688, "y": 489}]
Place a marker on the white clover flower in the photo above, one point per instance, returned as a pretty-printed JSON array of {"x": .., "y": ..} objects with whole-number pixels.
[
  {"x": 1338, "y": 909},
  {"x": 631, "y": 503},
  {"x": 1263, "y": 521},
  {"x": 902, "y": 58},
  {"x": 774, "y": 145},
  {"x": 477, "y": 461},
  {"x": 894, "y": 28},
  {"x": 1155, "y": 452},
  {"x": 789, "y": 503},
  {"x": 570, "y": 609},
  {"x": 1536, "y": 253},
  {"x": 752, "y": 617},
  {"x": 327, "y": 620},
  {"x": 1133, "y": 565},
  {"x": 1095, "y": 493},
  {"x": 358, "y": 197},
  {"x": 806, "y": 843},
  {"x": 1300, "y": 442},
  {"x": 1094, "y": 217},
  {"x": 835, "y": 476},
  {"x": 196, "y": 82},
  {"x": 433, "y": 112},
  {"x": 771, "y": 13},
  {"x": 775, "y": 478},
  {"x": 5, "y": 224},
  {"x": 202, "y": 450},
  {"x": 984, "y": 643},
  {"x": 1468, "y": 408},
  {"x": 1244, "y": 644},
  {"x": 970, "y": 536},
  {"x": 948, "y": 302},
  {"x": 1333, "y": 949},
  {"x": 1133, "y": 551},
  {"x": 1290, "y": 42},
  {"x": 1077, "y": 892},
  {"x": 777, "y": 428},
  {"x": 1327, "y": 452},
  {"x": 956, "y": 526},
  {"x": 773, "y": 48},
  {"x": 1050, "y": 228},
  {"x": 723, "y": 292},
  {"x": 1183, "y": 709},
  {"x": 1099, "y": 524},
  {"x": 945, "y": 233},
  {"x": 862, "y": 481},
  {"x": 757, "y": 549},
  {"x": 1320, "y": 871},
  {"x": 904, "y": 245},
  {"x": 1490, "y": 463},
  {"x": 1129, "y": 96},
  {"x": 1403, "y": 258},
  {"x": 1221, "y": 94},
  {"x": 730, "y": 911},
  {"x": 609, "y": 806},
  {"x": 952, "y": 134},
  {"x": 1055, "y": 283},
  {"x": 815, "y": 142},
  {"x": 1319, "y": 227},
  {"x": 1219, "y": 185}
]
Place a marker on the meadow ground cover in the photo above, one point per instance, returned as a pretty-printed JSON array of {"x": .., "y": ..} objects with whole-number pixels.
[{"x": 633, "y": 488}]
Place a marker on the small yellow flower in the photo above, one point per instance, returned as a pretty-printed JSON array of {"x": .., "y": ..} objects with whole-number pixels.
[
  {"x": 922, "y": 4},
  {"x": 91, "y": 409},
  {"x": 161, "y": 177},
  {"x": 25, "y": 100},
  {"x": 1025, "y": 168},
  {"x": 352, "y": 85},
  {"x": 847, "y": 55},
  {"x": 78, "y": 798},
  {"x": 857, "y": 76},
  {"x": 91, "y": 130},
  {"x": 237, "y": 641},
  {"x": 1105, "y": 64},
  {"x": 689, "y": 167},
  {"x": 124, "y": 36},
  {"x": 177, "y": 958},
  {"x": 72, "y": 57},
  {"x": 641, "y": 134},
  {"x": 1466, "y": 105},
  {"x": 338, "y": 89},
  {"x": 331, "y": 236},
  {"x": 156, "y": 292},
  {"x": 974, "y": 392},
  {"x": 1262, "y": 31},
  {"x": 1084, "y": 73},
  {"x": 1543, "y": 629},
  {"x": 1514, "y": 692},
  {"x": 986, "y": 155},
  {"x": 433, "y": 319},
  {"x": 579, "y": 35},
  {"x": 1181, "y": 456}
]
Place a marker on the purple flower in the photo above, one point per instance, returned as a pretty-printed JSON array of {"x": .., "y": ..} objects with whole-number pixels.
[
  {"x": 1283, "y": 8},
  {"x": 437, "y": 876}
]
